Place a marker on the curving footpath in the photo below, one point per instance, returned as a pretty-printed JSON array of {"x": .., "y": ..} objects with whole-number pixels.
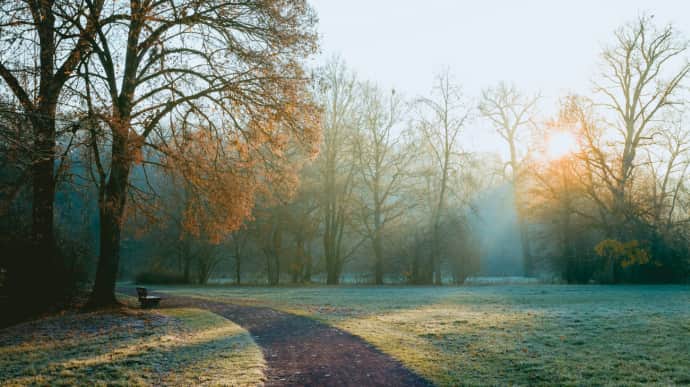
[{"x": 300, "y": 351}]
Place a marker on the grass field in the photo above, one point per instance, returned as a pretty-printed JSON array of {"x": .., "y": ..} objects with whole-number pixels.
[
  {"x": 130, "y": 347},
  {"x": 499, "y": 335}
]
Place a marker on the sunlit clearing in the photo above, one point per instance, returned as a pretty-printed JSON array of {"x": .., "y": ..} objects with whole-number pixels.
[{"x": 560, "y": 144}]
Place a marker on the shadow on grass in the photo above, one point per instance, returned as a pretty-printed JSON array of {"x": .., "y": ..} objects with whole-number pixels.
[
  {"x": 149, "y": 354},
  {"x": 521, "y": 334}
]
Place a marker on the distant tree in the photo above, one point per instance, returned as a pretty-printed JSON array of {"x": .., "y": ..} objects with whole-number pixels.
[
  {"x": 668, "y": 165},
  {"x": 642, "y": 78},
  {"x": 382, "y": 164},
  {"x": 575, "y": 196},
  {"x": 562, "y": 197},
  {"x": 239, "y": 240},
  {"x": 304, "y": 222},
  {"x": 511, "y": 113},
  {"x": 462, "y": 246},
  {"x": 338, "y": 95},
  {"x": 270, "y": 233},
  {"x": 440, "y": 122}
]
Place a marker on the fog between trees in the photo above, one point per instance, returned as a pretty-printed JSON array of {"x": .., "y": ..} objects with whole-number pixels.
[{"x": 195, "y": 145}]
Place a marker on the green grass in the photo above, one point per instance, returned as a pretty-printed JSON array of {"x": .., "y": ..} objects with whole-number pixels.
[
  {"x": 130, "y": 347},
  {"x": 499, "y": 335}
]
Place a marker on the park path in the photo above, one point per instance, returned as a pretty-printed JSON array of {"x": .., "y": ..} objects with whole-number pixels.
[{"x": 300, "y": 351}]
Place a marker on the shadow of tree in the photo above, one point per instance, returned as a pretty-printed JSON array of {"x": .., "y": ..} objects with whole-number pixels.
[{"x": 184, "y": 347}]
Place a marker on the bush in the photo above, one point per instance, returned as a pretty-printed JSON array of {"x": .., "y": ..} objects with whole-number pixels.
[{"x": 159, "y": 278}]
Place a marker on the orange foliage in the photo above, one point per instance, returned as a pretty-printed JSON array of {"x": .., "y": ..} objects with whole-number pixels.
[
  {"x": 218, "y": 190},
  {"x": 223, "y": 175}
]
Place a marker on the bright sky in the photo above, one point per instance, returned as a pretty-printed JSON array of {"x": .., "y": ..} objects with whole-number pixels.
[{"x": 540, "y": 45}]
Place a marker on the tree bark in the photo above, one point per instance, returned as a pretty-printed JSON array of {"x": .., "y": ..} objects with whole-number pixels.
[
  {"x": 238, "y": 267},
  {"x": 111, "y": 218},
  {"x": 528, "y": 265},
  {"x": 43, "y": 182},
  {"x": 332, "y": 276},
  {"x": 306, "y": 277},
  {"x": 378, "y": 267}
]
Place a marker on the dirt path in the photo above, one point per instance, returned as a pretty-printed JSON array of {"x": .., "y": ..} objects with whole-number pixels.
[{"x": 300, "y": 351}]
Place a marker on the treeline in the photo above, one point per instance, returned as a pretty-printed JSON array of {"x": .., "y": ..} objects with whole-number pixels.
[
  {"x": 617, "y": 208},
  {"x": 189, "y": 139},
  {"x": 600, "y": 189},
  {"x": 388, "y": 199}
]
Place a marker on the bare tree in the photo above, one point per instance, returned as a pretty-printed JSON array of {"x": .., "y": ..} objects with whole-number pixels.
[
  {"x": 304, "y": 221},
  {"x": 440, "y": 122},
  {"x": 270, "y": 233},
  {"x": 638, "y": 83},
  {"x": 669, "y": 162},
  {"x": 510, "y": 113},
  {"x": 382, "y": 164},
  {"x": 336, "y": 166}
]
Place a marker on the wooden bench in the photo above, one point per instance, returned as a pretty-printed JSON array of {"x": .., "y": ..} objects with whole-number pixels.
[{"x": 145, "y": 300}]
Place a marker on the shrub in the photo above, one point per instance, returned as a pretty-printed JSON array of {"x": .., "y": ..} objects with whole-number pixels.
[{"x": 159, "y": 278}]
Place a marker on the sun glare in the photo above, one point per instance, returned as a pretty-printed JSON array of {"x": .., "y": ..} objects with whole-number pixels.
[{"x": 560, "y": 144}]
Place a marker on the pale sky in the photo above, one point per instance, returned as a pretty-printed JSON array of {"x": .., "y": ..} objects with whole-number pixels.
[{"x": 545, "y": 45}]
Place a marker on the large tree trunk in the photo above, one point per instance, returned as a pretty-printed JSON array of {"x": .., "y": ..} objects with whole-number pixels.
[
  {"x": 306, "y": 276},
  {"x": 106, "y": 274},
  {"x": 273, "y": 268},
  {"x": 528, "y": 264},
  {"x": 238, "y": 266},
  {"x": 436, "y": 247},
  {"x": 414, "y": 275},
  {"x": 111, "y": 219},
  {"x": 436, "y": 255},
  {"x": 277, "y": 248},
  {"x": 43, "y": 122},
  {"x": 43, "y": 198},
  {"x": 42, "y": 265},
  {"x": 422, "y": 263},
  {"x": 43, "y": 166},
  {"x": 377, "y": 242},
  {"x": 332, "y": 275},
  {"x": 378, "y": 266},
  {"x": 34, "y": 278},
  {"x": 299, "y": 258},
  {"x": 237, "y": 247},
  {"x": 186, "y": 260}
]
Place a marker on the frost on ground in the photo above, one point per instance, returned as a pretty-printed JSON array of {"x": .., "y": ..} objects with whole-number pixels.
[
  {"x": 130, "y": 347},
  {"x": 499, "y": 335}
]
